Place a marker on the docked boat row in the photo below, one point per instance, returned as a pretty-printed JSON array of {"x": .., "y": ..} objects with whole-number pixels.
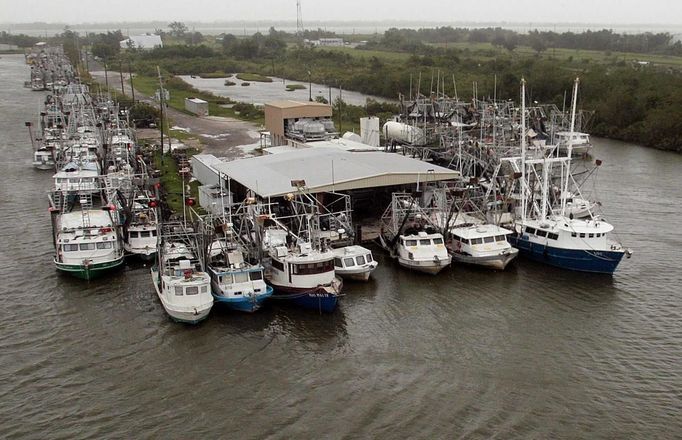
[{"x": 477, "y": 183}]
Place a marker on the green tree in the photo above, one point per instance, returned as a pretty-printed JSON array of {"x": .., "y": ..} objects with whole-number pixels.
[{"x": 178, "y": 29}]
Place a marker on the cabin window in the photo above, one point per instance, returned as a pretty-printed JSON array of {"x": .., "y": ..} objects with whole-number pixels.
[
  {"x": 204, "y": 289},
  {"x": 476, "y": 241},
  {"x": 70, "y": 247},
  {"x": 424, "y": 242},
  {"x": 437, "y": 241},
  {"x": 338, "y": 262},
  {"x": 313, "y": 268},
  {"x": 500, "y": 238},
  {"x": 154, "y": 233},
  {"x": 456, "y": 237},
  {"x": 145, "y": 234},
  {"x": 369, "y": 258},
  {"x": 349, "y": 262},
  {"x": 87, "y": 246},
  {"x": 256, "y": 275},
  {"x": 590, "y": 236},
  {"x": 178, "y": 291},
  {"x": 582, "y": 235},
  {"x": 552, "y": 236},
  {"x": 410, "y": 243},
  {"x": 192, "y": 290},
  {"x": 360, "y": 260},
  {"x": 574, "y": 234},
  {"x": 133, "y": 234},
  {"x": 277, "y": 265},
  {"x": 530, "y": 230},
  {"x": 104, "y": 245},
  {"x": 541, "y": 233},
  {"x": 489, "y": 239},
  {"x": 241, "y": 277}
]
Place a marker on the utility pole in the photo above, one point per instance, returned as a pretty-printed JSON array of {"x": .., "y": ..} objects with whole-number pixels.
[
  {"x": 120, "y": 71},
  {"x": 130, "y": 74},
  {"x": 106, "y": 74},
  {"x": 161, "y": 96},
  {"x": 310, "y": 88}
]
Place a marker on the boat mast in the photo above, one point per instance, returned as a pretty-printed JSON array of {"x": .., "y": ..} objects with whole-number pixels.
[
  {"x": 523, "y": 151},
  {"x": 564, "y": 192}
]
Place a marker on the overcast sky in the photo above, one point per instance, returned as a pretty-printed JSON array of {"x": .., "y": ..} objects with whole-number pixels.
[{"x": 520, "y": 11}]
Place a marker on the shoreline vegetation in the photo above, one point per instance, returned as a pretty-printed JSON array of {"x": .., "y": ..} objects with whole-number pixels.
[{"x": 633, "y": 82}]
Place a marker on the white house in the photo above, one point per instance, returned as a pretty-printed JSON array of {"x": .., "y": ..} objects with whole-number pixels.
[{"x": 145, "y": 42}]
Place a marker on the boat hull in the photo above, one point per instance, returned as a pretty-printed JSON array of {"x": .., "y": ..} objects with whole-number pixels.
[
  {"x": 89, "y": 272},
  {"x": 425, "y": 266},
  {"x": 581, "y": 260},
  {"x": 246, "y": 304},
  {"x": 361, "y": 274},
  {"x": 323, "y": 299},
  {"x": 43, "y": 166},
  {"x": 497, "y": 262}
]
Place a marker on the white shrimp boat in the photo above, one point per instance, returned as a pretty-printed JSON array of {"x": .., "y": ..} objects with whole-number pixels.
[
  {"x": 423, "y": 252},
  {"x": 141, "y": 233},
  {"x": 43, "y": 159},
  {"x": 87, "y": 243},
  {"x": 180, "y": 283},
  {"x": 409, "y": 236},
  {"x": 483, "y": 245},
  {"x": 579, "y": 143},
  {"x": 78, "y": 177},
  {"x": 354, "y": 263}
]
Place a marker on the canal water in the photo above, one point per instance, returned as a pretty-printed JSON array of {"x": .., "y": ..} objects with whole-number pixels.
[
  {"x": 531, "y": 352},
  {"x": 258, "y": 93}
]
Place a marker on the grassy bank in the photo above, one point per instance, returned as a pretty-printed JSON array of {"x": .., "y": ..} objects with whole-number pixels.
[
  {"x": 172, "y": 182},
  {"x": 253, "y": 77}
]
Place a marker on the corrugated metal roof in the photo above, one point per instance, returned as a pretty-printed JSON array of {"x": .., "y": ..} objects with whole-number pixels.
[{"x": 326, "y": 169}]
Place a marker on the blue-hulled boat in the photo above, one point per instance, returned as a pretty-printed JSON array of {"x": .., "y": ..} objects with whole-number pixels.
[
  {"x": 301, "y": 274},
  {"x": 236, "y": 283},
  {"x": 547, "y": 234}
]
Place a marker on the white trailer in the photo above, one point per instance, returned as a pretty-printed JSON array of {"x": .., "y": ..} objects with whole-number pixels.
[{"x": 197, "y": 106}]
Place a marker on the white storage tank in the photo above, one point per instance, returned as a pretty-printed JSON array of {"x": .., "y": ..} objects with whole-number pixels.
[{"x": 404, "y": 133}]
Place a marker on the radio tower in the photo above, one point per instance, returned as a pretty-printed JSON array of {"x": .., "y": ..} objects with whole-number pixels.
[{"x": 299, "y": 18}]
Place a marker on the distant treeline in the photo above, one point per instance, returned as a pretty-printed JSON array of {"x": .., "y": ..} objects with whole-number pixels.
[
  {"x": 411, "y": 40},
  {"x": 632, "y": 102}
]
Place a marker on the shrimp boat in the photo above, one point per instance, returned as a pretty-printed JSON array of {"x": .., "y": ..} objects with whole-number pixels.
[
  {"x": 410, "y": 237},
  {"x": 559, "y": 239},
  {"x": 78, "y": 177},
  {"x": 354, "y": 263},
  {"x": 181, "y": 284},
  {"x": 141, "y": 232},
  {"x": 483, "y": 245},
  {"x": 86, "y": 240},
  {"x": 301, "y": 273},
  {"x": 470, "y": 239},
  {"x": 43, "y": 158},
  {"x": 578, "y": 143},
  {"x": 236, "y": 283}
]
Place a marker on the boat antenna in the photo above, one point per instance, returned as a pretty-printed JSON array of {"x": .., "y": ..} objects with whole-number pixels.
[{"x": 523, "y": 151}]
